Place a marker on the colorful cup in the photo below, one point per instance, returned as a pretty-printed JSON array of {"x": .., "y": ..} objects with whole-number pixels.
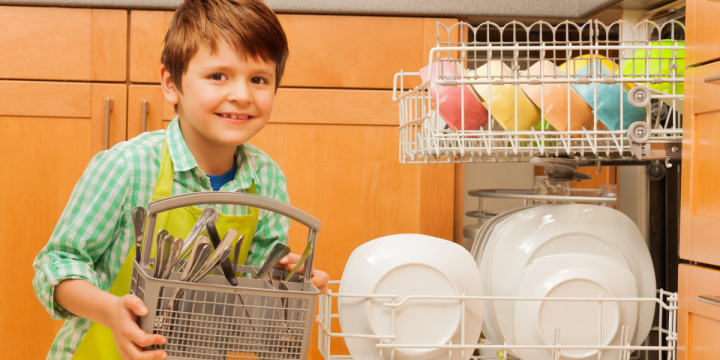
[
  {"x": 609, "y": 96},
  {"x": 501, "y": 98},
  {"x": 449, "y": 99},
  {"x": 554, "y": 103}
]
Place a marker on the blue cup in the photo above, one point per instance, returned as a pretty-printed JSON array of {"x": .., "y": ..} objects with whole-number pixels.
[{"x": 609, "y": 98}]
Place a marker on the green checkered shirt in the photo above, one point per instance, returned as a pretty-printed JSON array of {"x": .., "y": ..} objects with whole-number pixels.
[{"x": 94, "y": 234}]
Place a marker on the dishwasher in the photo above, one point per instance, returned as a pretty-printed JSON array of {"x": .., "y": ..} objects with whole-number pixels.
[{"x": 638, "y": 125}]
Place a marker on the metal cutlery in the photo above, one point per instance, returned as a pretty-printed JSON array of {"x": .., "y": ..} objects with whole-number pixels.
[
  {"x": 226, "y": 265},
  {"x": 304, "y": 257},
  {"x": 139, "y": 214},
  {"x": 212, "y": 264},
  {"x": 164, "y": 247},
  {"x": 278, "y": 252},
  {"x": 207, "y": 215},
  {"x": 198, "y": 250},
  {"x": 173, "y": 257},
  {"x": 284, "y": 287},
  {"x": 236, "y": 254}
]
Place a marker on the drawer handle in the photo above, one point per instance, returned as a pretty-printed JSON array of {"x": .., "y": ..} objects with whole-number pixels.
[
  {"x": 713, "y": 79},
  {"x": 710, "y": 299},
  {"x": 108, "y": 110},
  {"x": 144, "y": 117}
]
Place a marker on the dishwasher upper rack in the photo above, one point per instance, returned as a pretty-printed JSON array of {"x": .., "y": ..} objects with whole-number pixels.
[
  {"x": 425, "y": 139},
  {"x": 666, "y": 312}
]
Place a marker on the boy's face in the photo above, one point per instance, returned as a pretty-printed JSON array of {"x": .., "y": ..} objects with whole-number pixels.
[{"x": 226, "y": 98}]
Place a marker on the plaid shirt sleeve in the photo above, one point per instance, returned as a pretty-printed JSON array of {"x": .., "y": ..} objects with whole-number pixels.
[
  {"x": 90, "y": 223},
  {"x": 271, "y": 227}
]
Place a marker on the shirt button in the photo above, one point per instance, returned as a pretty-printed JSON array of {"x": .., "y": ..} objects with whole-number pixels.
[{"x": 46, "y": 260}]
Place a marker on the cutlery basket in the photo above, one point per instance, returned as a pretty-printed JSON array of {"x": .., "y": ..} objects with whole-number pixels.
[{"x": 214, "y": 320}]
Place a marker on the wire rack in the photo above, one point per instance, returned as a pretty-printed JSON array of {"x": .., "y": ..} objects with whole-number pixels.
[
  {"x": 530, "y": 79},
  {"x": 666, "y": 306}
]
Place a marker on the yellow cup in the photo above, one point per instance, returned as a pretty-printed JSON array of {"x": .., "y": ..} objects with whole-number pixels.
[{"x": 500, "y": 99}]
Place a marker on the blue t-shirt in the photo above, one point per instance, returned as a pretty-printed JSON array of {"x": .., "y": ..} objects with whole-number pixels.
[{"x": 217, "y": 181}]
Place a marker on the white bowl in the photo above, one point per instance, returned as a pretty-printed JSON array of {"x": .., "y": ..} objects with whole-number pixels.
[
  {"x": 574, "y": 275},
  {"x": 407, "y": 265},
  {"x": 545, "y": 230}
]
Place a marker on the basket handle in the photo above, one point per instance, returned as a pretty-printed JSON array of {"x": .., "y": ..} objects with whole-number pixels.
[{"x": 230, "y": 198}]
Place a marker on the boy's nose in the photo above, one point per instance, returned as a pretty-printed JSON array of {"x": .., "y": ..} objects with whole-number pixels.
[{"x": 239, "y": 93}]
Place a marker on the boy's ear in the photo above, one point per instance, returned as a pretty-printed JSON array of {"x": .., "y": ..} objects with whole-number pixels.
[{"x": 170, "y": 91}]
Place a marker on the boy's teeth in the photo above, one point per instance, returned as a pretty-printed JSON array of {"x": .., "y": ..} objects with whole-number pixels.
[{"x": 235, "y": 116}]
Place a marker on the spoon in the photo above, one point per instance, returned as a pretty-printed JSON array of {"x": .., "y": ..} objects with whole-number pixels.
[
  {"x": 139, "y": 214},
  {"x": 164, "y": 247},
  {"x": 173, "y": 257},
  {"x": 207, "y": 215}
]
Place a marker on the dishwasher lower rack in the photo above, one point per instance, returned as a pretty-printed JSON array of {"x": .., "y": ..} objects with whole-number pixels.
[
  {"x": 612, "y": 58},
  {"x": 664, "y": 349}
]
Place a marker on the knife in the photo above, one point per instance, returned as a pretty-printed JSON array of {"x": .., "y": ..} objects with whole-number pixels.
[{"x": 226, "y": 264}]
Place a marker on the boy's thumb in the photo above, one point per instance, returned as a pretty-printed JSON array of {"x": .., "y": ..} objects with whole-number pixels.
[{"x": 135, "y": 305}]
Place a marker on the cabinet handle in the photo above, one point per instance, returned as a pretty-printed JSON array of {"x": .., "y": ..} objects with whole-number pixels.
[
  {"x": 710, "y": 299},
  {"x": 713, "y": 79},
  {"x": 144, "y": 117},
  {"x": 108, "y": 110}
]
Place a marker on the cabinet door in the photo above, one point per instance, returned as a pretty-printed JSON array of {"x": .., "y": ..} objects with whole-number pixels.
[
  {"x": 703, "y": 32},
  {"x": 48, "y": 134},
  {"x": 147, "y": 31},
  {"x": 325, "y": 51},
  {"x": 62, "y": 44},
  {"x": 147, "y": 98},
  {"x": 698, "y": 322},
  {"x": 700, "y": 193}
]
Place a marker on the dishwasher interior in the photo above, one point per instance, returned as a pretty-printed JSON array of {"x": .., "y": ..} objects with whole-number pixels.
[{"x": 630, "y": 77}]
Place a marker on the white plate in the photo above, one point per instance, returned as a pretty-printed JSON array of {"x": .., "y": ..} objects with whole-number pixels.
[
  {"x": 490, "y": 326},
  {"x": 566, "y": 229},
  {"x": 574, "y": 275},
  {"x": 410, "y": 264}
]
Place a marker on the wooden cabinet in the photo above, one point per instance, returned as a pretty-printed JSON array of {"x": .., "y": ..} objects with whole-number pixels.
[
  {"x": 49, "y": 131},
  {"x": 333, "y": 131},
  {"x": 702, "y": 32},
  {"x": 699, "y": 321},
  {"x": 325, "y": 51},
  {"x": 62, "y": 44},
  {"x": 147, "y": 31},
  {"x": 700, "y": 198}
]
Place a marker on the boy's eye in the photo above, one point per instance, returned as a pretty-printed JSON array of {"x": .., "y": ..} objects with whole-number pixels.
[
  {"x": 259, "y": 80},
  {"x": 217, "y": 76}
]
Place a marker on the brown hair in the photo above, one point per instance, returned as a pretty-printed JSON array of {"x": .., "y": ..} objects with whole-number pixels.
[{"x": 247, "y": 25}]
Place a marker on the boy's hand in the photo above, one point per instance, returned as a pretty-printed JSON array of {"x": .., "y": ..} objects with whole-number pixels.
[
  {"x": 318, "y": 278},
  {"x": 129, "y": 338}
]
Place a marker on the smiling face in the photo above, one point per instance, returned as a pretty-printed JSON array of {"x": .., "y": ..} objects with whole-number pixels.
[{"x": 226, "y": 98}]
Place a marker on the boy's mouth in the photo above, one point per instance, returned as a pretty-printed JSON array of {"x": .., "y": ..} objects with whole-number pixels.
[{"x": 235, "y": 116}]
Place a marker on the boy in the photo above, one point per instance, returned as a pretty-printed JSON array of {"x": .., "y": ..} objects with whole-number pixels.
[{"x": 221, "y": 66}]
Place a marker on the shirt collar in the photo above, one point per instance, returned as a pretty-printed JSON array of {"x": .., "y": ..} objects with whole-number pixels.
[{"x": 183, "y": 159}]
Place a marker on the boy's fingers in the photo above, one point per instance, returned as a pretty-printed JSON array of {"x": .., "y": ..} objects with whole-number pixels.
[
  {"x": 320, "y": 280},
  {"x": 135, "y": 305},
  {"x": 136, "y": 353},
  {"x": 145, "y": 340},
  {"x": 288, "y": 261}
]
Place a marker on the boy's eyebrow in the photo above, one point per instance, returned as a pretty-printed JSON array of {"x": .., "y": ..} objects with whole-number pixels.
[{"x": 222, "y": 68}]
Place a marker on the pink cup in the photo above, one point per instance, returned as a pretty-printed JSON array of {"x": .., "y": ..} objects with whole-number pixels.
[{"x": 449, "y": 101}]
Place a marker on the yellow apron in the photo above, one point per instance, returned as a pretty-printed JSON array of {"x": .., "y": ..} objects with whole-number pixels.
[{"x": 99, "y": 343}]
